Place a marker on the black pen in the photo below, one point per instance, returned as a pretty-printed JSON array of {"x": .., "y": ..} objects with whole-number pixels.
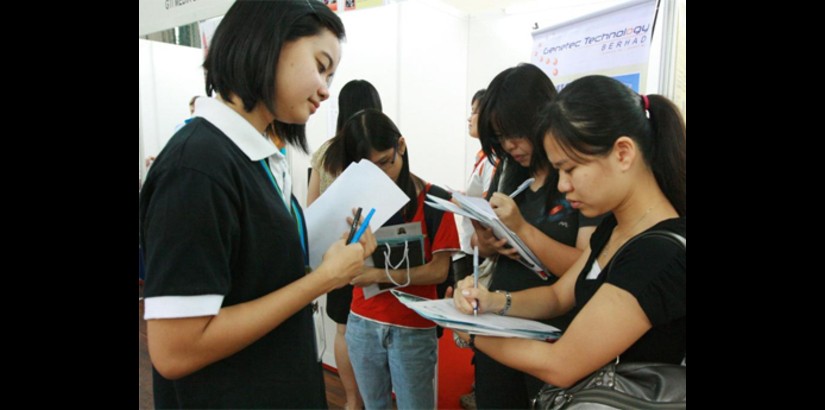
[{"x": 354, "y": 225}]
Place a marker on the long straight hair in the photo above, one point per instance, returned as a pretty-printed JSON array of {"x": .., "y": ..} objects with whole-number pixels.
[
  {"x": 591, "y": 113},
  {"x": 355, "y": 96},
  {"x": 370, "y": 130}
]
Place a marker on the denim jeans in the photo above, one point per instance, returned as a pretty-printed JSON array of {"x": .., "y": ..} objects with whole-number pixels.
[{"x": 387, "y": 358}]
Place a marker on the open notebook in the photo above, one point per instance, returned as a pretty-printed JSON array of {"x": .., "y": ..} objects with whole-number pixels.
[{"x": 444, "y": 313}]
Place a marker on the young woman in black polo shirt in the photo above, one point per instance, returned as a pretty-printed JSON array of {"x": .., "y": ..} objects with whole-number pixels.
[
  {"x": 625, "y": 153},
  {"x": 227, "y": 292}
]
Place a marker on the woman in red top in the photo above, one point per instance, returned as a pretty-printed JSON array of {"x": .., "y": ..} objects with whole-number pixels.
[{"x": 390, "y": 346}]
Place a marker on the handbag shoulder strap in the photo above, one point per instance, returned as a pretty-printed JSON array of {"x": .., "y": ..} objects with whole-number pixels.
[{"x": 671, "y": 236}]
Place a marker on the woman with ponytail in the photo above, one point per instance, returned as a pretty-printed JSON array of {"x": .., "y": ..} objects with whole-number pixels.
[{"x": 625, "y": 153}]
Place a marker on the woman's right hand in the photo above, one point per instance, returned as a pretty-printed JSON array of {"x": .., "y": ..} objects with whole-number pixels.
[
  {"x": 367, "y": 238},
  {"x": 343, "y": 262},
  {"x": 466, "y": 296}
]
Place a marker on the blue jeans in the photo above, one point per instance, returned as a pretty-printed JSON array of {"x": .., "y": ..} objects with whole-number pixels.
[{"x": 387, "y": 358}]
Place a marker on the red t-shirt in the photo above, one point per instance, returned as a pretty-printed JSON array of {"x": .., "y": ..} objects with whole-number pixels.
[{"x": 384, "y": 307}]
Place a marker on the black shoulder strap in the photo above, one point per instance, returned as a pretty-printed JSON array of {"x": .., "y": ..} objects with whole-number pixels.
[
  {"x": 432, "y": 216},
  {"x": 671, "y": 236}
]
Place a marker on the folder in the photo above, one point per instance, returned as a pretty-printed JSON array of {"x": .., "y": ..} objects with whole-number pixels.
[
  {"x": 399, "y": 247},
  {"x": 480, "y": 210},
  {"x": 444, "y": 313}
]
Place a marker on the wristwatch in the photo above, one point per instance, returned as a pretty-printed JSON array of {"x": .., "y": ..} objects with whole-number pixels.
[
  {"x": 462, "y": 344},
  {"x": 508, "y": 301}
]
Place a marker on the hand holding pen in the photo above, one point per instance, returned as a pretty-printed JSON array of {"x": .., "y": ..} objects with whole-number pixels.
[
  {"x": 468, "y": 298},
  {"x": 507, "y": 211},
  {"x": 344, "y": 260},
  {"x": 364, "y": 225}
]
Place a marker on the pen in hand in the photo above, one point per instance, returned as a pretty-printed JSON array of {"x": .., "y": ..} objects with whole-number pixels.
[
  {"x": 522, "y": 187},
  {"x": 475, "y": 277},
  {"x": 354, "y": 225},
  {"x": 364, "y": 226}
]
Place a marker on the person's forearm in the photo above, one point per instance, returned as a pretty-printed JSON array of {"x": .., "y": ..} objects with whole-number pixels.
[
  {"x": 530, "y": 356},
  {"x": 535, "y": 303},
  {"x": 555, "y": 255}
]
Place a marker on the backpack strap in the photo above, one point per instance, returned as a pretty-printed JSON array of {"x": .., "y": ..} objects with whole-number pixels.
[{"x": 432, "y": 217}]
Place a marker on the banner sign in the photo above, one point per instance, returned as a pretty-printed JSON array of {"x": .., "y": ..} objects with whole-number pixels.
[
  {"x": 158, "y": 15},
  {"x": 614, "y": 42}
]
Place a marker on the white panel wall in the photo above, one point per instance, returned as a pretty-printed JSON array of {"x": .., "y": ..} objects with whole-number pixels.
[
  {"x": 369, "y": 53},
  {"x": 433, "y": 91},
  {"x": 169, "y": 76}
]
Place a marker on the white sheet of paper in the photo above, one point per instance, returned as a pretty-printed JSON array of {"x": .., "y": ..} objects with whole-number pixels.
[{"x": 363, "y": 185}]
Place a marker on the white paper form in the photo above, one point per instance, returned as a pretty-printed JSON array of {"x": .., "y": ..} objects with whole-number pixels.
[
  {"x": 363, "y": 185},
  {"x": 443, "y": 312}
]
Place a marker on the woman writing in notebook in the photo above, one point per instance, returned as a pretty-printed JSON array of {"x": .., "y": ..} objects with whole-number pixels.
[
  {"x": 390, "y": 346},
  {"x": 508, "y": 115},
  {"x": 619, "y": 152}
]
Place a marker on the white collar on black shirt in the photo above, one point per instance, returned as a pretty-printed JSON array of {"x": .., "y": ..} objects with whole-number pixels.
[{"x": 238, "y": 129}]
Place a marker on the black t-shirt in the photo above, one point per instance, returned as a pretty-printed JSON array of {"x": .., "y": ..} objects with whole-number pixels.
[
  {"x": 559, "y": 221},
  {"x": 654, "y": 270},
  {"x": 212, "y": 223}
]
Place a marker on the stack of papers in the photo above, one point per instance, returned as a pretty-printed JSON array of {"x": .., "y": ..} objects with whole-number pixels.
[
  {"x": 444, "y": 313},
  {"x": 481, "y": 211}
]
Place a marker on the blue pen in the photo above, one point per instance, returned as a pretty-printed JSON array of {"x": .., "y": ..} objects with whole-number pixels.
[
  {"x": 363, "y": 227},
  {"x": 475, "y": 277}
]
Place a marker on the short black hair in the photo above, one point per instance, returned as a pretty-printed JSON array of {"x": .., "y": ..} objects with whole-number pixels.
[{"x": 242, "y": 58}]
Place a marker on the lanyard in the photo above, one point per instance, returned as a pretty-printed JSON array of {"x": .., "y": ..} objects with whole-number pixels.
[{"x": 296, "y": 215}]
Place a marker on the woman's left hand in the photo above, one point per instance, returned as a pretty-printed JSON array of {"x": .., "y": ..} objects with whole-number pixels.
[{"x": 507, "y": 210}]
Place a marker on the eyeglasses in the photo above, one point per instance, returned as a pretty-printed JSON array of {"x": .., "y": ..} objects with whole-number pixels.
[{"x": 386, "y": 163}]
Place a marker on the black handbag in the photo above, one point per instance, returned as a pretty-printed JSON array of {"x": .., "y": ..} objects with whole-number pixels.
[{"x": 623, "y": 385}]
